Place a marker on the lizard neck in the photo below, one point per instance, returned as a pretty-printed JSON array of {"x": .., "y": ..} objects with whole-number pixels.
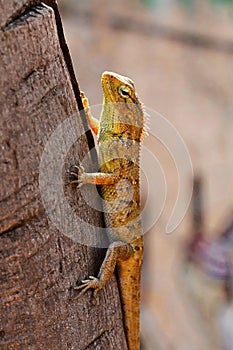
[{"x": 121, "y": 120}]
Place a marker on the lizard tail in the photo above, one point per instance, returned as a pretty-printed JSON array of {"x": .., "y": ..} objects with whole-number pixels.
[{"x": 129, "y": 282}]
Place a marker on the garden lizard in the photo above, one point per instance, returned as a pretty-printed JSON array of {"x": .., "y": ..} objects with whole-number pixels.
[{"x": 119, "y": 134}]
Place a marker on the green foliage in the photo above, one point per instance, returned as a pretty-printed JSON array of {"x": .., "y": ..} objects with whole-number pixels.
[
  {"x": 150, "y": 3},
  {"x": 185, "y": 3},
  {"x": 222, "y": 1}
]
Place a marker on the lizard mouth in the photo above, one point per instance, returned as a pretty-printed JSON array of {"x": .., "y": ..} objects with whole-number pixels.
[{"x": 108, "y": 85}]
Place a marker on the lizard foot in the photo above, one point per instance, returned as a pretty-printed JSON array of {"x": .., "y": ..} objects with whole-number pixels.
[
  {"x": 90, "y": 283},
  {"x": 85, "y": 102},
  {"x": 78, "y": 173}
]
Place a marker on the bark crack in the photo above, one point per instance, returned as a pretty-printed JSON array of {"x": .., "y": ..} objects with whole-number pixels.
[
  {"x": 98, "y": 337},
  {"x": 18, "y": 190},
  {"x": 20, "y": 222},
  {"x": 21, "y": 14}
]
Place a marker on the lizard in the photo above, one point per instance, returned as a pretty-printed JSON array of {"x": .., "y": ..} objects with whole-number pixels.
[{"x": 119, "y": 135}]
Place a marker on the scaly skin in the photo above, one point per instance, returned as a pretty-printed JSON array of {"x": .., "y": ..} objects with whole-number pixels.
[{"x": 119, "y": 134}]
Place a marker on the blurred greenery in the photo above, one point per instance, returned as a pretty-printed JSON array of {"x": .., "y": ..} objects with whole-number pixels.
[
  {"x": 154, "y": 3},
  {"x": 222, "y": 1},
  {"x": 150, "y": 3}
]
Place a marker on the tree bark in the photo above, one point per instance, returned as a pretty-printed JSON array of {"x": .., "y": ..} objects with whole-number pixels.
[{"x": 38, "y": 262}]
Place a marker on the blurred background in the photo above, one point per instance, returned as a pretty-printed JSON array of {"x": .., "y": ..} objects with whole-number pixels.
[{"x": 179, "y": 54}]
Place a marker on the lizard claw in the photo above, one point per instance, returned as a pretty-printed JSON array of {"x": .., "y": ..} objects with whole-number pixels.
[
  {"x": 78, "y": 172},
  {"x": 90, "y": 283},
  {"x": 73, "y": 173},
  {"x": 79, "y": 168}
]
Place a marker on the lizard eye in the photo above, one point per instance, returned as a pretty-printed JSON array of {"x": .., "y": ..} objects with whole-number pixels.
[{"x": 124, "y": 90}]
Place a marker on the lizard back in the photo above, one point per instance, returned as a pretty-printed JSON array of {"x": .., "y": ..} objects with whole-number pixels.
[
  {"x": 120, "y": 135},
  {"x": 121, "y": 130}
]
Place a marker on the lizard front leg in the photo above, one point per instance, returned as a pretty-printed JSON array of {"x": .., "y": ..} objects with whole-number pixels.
[
  {"x": 117, "y": 251},
  {"x": 92, "y": 178},
  {"x": 92, "y": 122}
]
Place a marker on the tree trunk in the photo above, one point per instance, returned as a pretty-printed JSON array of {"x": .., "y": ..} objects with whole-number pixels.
[{"x": 39, "y": 263}]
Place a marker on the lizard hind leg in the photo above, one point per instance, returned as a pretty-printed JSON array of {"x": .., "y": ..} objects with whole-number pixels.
[{"x": 117, "y": 251}]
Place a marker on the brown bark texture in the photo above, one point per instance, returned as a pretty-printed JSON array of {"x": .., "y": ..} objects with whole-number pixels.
[{"x": 38, "y": 262}]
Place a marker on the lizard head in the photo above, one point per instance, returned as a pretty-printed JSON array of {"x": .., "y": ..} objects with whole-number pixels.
[
  {"x": 122, "y": 110},
  {"x": 118, "y": 88}
]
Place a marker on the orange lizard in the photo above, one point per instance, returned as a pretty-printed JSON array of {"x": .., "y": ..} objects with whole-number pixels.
[{"x": 119, "y": 135}]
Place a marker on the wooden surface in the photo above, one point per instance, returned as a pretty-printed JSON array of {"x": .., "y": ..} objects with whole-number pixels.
[{"x": 38, "y": 263}]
